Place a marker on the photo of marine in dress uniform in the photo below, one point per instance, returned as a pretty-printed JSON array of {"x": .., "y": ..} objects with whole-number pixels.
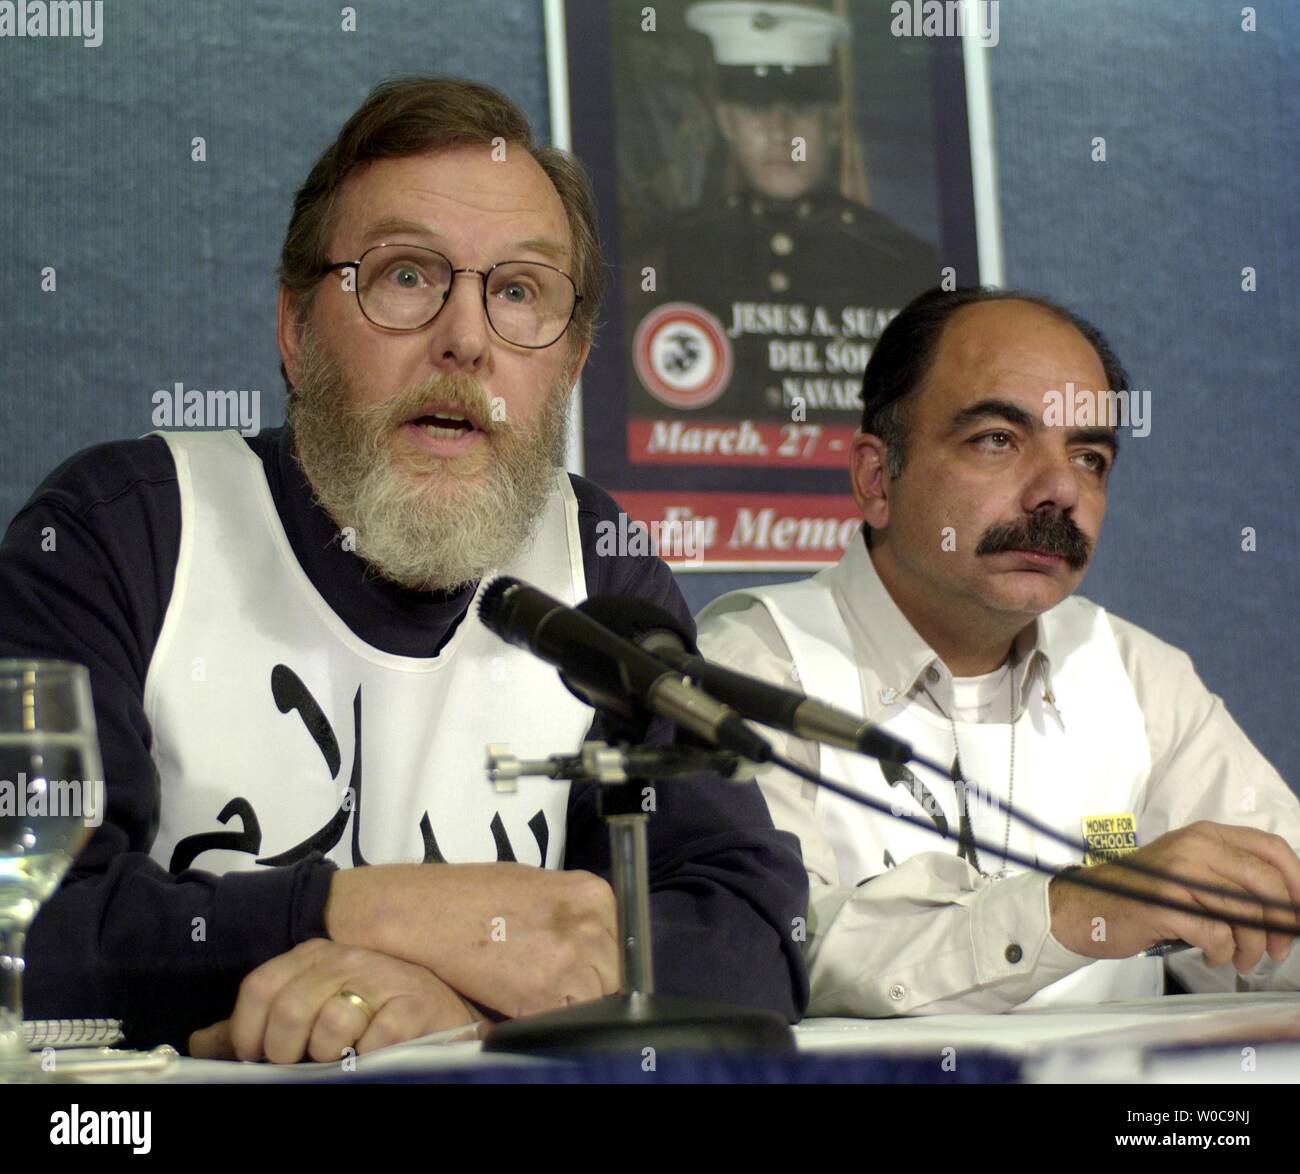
[{"x": 766, "y": 293}]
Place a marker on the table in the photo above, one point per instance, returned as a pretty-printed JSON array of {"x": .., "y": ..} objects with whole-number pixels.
[{"x": 1243, "y": 1039}]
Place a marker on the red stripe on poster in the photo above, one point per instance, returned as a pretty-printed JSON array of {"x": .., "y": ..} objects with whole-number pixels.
[{"x": 739, "y": 442}]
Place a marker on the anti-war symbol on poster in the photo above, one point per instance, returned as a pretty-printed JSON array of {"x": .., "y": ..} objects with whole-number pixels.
[{"x": 290, "y": 693}]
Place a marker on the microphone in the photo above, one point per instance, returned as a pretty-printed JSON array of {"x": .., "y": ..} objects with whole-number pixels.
[
  {"x": 657, "y": 632},
  {"x": 607, "y": 671}
]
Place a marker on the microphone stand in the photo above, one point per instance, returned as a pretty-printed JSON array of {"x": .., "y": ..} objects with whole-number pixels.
[{"x": 638, "y": 1016}]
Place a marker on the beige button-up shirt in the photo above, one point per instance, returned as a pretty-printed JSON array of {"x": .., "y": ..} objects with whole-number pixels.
[{"x": 932, "y": 935}]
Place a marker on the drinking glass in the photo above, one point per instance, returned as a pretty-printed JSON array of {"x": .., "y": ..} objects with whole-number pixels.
[{"x": 51, "y": 800}]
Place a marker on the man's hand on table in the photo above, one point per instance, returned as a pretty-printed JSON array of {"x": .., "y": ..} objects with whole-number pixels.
[
  {"x": 1253, "y": 863},
  {"x": 292, "y": 1007},
  {"x": 510, "y": 937}
]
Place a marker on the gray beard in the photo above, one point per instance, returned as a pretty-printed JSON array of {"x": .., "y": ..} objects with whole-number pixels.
[{"x": 424, "y": 522}]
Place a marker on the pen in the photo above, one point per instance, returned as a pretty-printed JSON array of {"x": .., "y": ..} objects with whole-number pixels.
[{"x": 1160, "y": 949}]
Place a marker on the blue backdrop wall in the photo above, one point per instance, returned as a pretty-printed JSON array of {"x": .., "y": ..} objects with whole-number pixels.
[{"x": 165, "y": 267}]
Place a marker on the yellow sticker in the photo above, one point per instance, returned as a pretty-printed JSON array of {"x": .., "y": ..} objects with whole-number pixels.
[{"x": 1109, "y": 836}]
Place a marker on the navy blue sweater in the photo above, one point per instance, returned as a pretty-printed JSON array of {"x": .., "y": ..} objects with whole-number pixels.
[{"x": 116, "y": 939}]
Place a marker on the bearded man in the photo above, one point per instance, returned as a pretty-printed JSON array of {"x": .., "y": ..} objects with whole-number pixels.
[{"x": 289, "y": 674}]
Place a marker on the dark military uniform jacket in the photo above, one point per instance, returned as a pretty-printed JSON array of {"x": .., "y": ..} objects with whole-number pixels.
[{"x": 800, "y": 290}]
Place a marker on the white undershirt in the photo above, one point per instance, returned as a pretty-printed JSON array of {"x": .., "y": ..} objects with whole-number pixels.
[{"x": 975, "y": 699}]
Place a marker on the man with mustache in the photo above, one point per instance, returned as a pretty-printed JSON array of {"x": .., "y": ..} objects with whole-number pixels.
[
  {"x": 290, "y": 676},
  {"x": 953, "y": 623}
]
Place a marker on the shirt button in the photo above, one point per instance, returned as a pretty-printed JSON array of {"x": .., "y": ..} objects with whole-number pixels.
[
  {"x": 1014, "y": 953},
  {"x": 932, "y": 675},
  {"x": 778, "y": 281},
  {"x": 897, "y": 991},
  {"x": 782, "y": 245}
]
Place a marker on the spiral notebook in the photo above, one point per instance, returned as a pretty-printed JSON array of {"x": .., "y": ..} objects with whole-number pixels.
[{"x": 72, "y": 1033}]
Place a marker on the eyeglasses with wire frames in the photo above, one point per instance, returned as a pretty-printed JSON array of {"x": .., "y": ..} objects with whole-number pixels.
[{"x": 404, "y": 287}]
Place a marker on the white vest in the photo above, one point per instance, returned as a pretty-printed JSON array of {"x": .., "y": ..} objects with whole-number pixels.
[
  {"x": 277, "y": 730},
  {"x": 1086, "y": 756}
]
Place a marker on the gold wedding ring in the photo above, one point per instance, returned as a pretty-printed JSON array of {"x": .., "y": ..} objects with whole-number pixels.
[{"x": 357, "y": 1001}]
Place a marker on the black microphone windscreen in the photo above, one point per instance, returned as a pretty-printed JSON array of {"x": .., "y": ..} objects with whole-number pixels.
[{"x": 492, "y": 601}]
